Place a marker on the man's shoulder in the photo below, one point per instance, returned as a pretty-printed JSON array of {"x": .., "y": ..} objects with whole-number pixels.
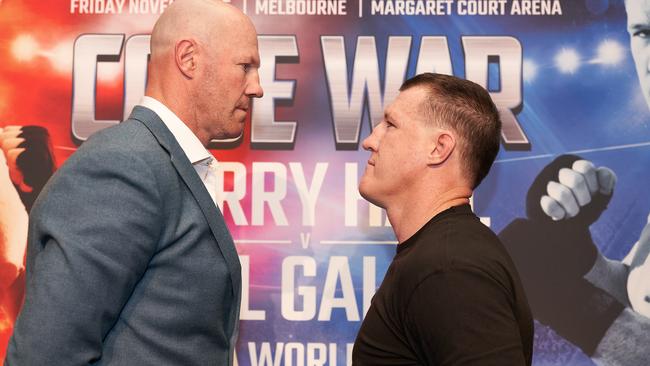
[
  {"x": 128, "y": 146},
  {"x": 458, "y": 243},
  {"x": 130, "y": 134},
  {"x": 129, "y": 139},
  {"x": 454, "y": 236}
]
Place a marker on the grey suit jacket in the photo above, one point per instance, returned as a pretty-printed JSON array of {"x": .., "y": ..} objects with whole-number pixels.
[{"x": 129, "y": 261}]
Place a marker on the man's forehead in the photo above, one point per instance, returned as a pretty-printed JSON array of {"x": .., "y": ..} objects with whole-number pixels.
[
  {"x": 241, "y": 41},
  {"x": 393, "y": 110},
  {"x": 389, "y": 113},
  {"x": 247, "y": 50},
  {"x": 637, "y": 3},
  {"x": 410, "y": 98},
  {"x": 408, "y": 104},
  {"x": 638, "y": 11}
]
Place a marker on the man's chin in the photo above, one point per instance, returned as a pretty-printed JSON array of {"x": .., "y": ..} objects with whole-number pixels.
[
  {"x": 231, "y": 135},
  {"x": 241, "y": 113},
  {"x": 368, "y": 195}
]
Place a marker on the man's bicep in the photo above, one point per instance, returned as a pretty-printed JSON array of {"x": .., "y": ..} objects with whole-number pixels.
[
  {"x": 91, "y": 240},
  {"x": 464, "y": 317}
]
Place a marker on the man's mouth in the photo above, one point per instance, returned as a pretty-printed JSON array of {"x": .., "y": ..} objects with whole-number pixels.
[{"x": 244, "y": 105}]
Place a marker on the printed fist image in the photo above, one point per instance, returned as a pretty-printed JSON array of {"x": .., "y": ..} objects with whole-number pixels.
[
  {"x": 575, "y": 188},
  {"x": 26, "y": 163},
  {"x": 30, "y": 159},
  {"x": 13, "y": 225}
]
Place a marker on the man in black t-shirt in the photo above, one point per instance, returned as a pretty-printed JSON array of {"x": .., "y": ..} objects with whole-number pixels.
[{"x": 452, "y": 295}]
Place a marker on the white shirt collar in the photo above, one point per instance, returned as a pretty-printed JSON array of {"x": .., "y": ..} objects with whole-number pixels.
[{"x": 188, "y": 141}]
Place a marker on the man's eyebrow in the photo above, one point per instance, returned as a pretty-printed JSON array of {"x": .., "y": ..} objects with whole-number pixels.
[
  {"x": 639, "y": 25},
  {"x": 255, "y": 61},
  {"x": 251, "y": 60}
]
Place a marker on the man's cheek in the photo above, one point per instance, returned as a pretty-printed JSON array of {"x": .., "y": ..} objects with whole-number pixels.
[{"x": 638, "y": 288}]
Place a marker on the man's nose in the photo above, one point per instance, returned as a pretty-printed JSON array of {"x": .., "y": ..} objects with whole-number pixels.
[
  {"x": 254, "y": 89},
  {"x": 370, "y": 143}
]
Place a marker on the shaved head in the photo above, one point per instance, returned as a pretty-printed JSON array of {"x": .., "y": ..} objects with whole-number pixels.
[
  {"x": 198, "y": 19},
  {"x": 204, "y": 66}
]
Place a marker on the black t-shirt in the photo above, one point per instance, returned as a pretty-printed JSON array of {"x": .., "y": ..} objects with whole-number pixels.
[{"x": 451, "y": 296}]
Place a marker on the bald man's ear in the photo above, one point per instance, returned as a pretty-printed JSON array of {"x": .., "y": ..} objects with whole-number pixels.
[
  {"x": 186, "y": 57},
  {"x": 443, "y": 146}
]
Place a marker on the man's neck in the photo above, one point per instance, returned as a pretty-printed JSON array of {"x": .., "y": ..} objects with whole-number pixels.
[
  {"x": 176, "y": 103},
  {"x": 409, "y": 217}
]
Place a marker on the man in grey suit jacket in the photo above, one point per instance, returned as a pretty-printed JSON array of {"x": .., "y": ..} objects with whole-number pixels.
[{"x": 129, "y": 260}]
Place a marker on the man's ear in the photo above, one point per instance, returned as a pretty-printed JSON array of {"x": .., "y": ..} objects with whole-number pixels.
[
  {"x": 443, "y": 146},
  {"x": 186, "y": 57}
]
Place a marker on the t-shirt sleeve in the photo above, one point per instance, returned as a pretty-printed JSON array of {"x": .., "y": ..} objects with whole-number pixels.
[{"x": 463, "y": 317}]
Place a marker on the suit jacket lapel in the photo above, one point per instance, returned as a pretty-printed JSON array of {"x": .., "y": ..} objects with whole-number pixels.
[{"x": 190, "y": 177}]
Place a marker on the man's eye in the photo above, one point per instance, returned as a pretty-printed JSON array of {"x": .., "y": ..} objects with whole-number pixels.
[
  {"x": 389, "y": 125},
  {"x": 246, "y": 67},
  {"x": 642, "y": 33}
]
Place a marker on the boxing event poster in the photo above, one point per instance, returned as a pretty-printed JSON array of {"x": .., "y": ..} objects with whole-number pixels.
[{"x": 567, "y": 192}]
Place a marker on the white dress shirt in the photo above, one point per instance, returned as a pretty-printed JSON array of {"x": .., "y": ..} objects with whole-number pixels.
[{"x": 202, "y": 161}]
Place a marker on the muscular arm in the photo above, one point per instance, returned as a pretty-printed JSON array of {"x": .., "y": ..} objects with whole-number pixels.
[
  {"x": 464, "y": 317},
  {"x": 559, "y": 263},
  {"x": 13, "y": 229},
  {"x": 26, "y": 163},
  {"x": 625, "y": 342},
  {"x": 92, "y": 235}
]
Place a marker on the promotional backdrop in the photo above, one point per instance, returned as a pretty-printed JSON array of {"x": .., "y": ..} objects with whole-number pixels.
[{"x": 312, "y": 250}]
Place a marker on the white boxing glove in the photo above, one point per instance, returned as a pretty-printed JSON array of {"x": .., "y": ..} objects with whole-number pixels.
[{"x": 575, "y": 189}]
